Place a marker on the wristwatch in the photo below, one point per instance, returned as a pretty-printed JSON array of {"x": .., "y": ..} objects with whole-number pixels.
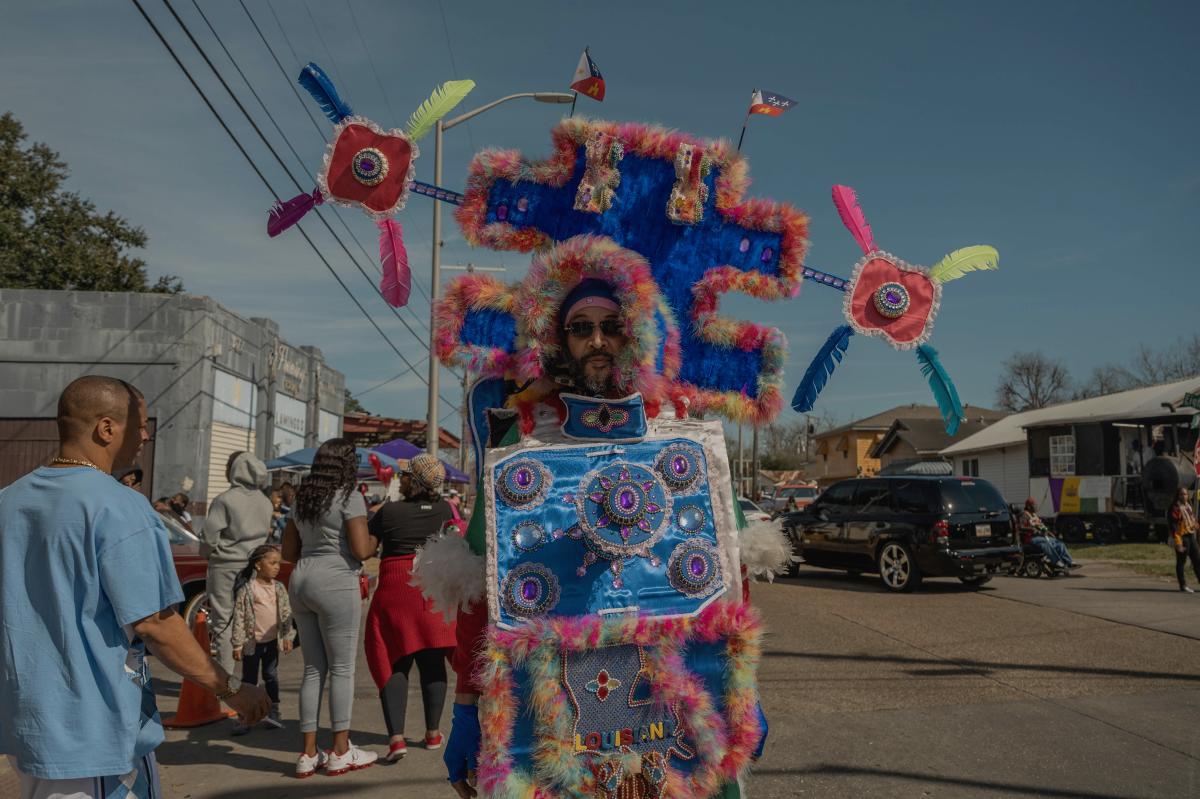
[{"x": 232, "y": 686}]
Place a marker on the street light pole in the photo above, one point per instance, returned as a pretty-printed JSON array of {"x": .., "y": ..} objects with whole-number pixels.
[{"x": 433, "y": 431}]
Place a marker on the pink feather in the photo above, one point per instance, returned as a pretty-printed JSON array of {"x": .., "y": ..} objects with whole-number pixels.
[
  {"x": 852, "y": 217},
  {"x": 396, "y": 282},
  {"x": 285, "y": 214}
]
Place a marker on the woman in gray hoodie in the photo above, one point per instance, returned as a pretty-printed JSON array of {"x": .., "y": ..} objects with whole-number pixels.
[{"x": 238, "y": 521}]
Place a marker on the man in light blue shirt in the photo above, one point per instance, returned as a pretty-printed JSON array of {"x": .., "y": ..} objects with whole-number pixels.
[{"x": 86, "y": 577}]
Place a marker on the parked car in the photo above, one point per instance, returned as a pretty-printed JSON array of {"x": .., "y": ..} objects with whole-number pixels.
[
  {"x": 905, "y": 528},
  {"x": 753, "y": 512},
  {"x": 192, "y": 569},
  {"x": 803, "y": 495}
]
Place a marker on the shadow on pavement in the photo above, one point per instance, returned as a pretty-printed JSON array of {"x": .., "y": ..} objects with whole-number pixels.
[
  {"x": 320, "y": 785},
  {"x": 1166, "y": 589},
  {"x": 988, "y": 787},
  {"x": 212, "y": 743},
  {"x": 218, "y": 750},
  {"x": 959, "y": 666},
  {"x": 866, "y": 583}
]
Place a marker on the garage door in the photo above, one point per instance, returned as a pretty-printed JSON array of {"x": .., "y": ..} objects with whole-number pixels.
[{"x": 26, "y": 444}]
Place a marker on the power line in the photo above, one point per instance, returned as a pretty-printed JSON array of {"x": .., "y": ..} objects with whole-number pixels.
[
  {"x": 282, "y": 135},
  {"x": 337, "y": 73},
  {"x": 237, "y": 143},
  {"x": 453, "y": 68},
  {"x": 371, "y": 61},
  {"x": 187, "y": 31},
  {"x": 287, "y": 171},
  {"x": 320, "y": 130},
  {"x": 390, "y": 380}
]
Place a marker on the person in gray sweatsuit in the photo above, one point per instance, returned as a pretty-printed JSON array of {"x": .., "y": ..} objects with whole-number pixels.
[{"x": 238, "y": 520}]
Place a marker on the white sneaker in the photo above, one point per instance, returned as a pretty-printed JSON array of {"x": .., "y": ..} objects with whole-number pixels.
[
  {"x": 308, "y": 765},
  {"x": 353, "y": 759}
]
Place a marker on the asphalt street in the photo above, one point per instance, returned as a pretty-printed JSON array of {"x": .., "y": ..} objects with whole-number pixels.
[{"x": 1076, "y": 687}]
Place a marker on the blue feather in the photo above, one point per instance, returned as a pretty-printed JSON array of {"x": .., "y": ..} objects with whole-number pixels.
[
  {"x": 318, "y": 84},
  {"x": 822, "y": 366},
  {"x": 942, "y": 387}
]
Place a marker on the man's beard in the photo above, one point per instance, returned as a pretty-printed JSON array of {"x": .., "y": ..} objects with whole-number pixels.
[{"x": 592, "y": 384}]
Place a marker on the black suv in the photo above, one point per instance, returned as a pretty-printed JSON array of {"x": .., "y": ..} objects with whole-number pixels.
[{"x": 907, "y": 527}]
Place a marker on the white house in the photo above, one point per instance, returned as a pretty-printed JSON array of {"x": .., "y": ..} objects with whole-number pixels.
[{"x": 1117, "y": 426}]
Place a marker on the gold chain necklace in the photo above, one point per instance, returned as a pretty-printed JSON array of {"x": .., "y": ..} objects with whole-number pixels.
[{"x": 76, "y": 462}]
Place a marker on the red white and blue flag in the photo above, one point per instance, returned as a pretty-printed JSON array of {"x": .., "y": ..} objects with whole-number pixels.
[
  {"x": 587, "y": 80},
  {"x": 770, "y": 103}
]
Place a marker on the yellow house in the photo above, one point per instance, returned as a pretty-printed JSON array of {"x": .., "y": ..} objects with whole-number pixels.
[{"x": 845, "y": 451}]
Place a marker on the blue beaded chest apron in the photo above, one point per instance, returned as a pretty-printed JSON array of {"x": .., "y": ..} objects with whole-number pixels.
[{"x": 609, "y": 518}]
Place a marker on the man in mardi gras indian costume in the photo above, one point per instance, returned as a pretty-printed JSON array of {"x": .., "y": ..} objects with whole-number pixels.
[{"x": 606, "y": 644}]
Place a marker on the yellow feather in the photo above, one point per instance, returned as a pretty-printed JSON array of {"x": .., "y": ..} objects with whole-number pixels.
[
  {"x": 441, "y": 102},
  {"x": 968, "y": 259}
]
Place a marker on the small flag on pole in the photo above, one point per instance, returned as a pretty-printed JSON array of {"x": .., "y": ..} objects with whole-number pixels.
[
  {"x": 770, "y": 103},
  {"x": 587, "y": 80}
]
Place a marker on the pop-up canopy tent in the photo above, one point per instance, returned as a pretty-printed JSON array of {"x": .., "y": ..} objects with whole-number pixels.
[
  {"x": 404, "y": 450},
  {"x": 302, "y": 459}
]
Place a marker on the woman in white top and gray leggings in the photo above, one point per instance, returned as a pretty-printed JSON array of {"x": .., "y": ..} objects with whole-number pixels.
[{"x": 328, "y": 540}]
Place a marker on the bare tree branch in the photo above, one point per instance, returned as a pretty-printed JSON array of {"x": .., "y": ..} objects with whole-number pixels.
[{"x": 1031, "y": 380}]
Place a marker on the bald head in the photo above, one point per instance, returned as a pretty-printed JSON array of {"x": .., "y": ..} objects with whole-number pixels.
[{"x": 88, "y": 400}]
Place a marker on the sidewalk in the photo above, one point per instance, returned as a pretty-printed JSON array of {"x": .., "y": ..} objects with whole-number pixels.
[
  {"x": 206, "y": 763},
  {"x": 1107, "y": 591}
]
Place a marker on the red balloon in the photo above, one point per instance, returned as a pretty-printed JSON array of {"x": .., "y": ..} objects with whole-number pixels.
[{"x": 385, "y": 475}]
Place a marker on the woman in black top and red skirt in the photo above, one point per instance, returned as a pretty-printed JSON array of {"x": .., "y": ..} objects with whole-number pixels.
[{"x": 402, "y": 627}]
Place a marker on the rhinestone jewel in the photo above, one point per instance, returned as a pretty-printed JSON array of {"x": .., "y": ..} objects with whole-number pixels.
[{"x": 626, "y": 500}]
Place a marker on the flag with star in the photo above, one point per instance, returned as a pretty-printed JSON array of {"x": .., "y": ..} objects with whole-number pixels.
[
  {"x": 587, "y": 80},
  {"x": 771, "y": 104}
]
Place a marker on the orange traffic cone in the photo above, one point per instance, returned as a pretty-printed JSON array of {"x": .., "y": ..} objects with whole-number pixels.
[{"x": 197, "y": 706}]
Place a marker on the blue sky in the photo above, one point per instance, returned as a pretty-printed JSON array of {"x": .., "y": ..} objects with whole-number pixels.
[{"x": 1062, "y": 133}]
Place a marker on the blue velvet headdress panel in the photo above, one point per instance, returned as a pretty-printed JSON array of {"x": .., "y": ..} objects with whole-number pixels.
[{"x": 678, "y": 202}]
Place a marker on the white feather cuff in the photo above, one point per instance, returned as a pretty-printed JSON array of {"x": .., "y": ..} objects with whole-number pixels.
[
  {"x": 765, "y": 550},
  {"x": 448, "y": 573}
]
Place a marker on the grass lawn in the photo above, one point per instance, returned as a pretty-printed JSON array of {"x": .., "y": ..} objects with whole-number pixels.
[{"x": 1152, "y": 559}]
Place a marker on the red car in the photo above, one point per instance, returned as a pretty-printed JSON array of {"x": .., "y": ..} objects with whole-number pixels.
[{"x": 192, "y": 570}]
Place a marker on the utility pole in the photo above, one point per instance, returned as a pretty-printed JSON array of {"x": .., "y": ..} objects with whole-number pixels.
[
  {"x": 754, "y": 464},
  {"x": 741, "y": 464}
]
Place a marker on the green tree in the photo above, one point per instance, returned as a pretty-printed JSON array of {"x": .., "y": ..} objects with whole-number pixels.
[
  {"x": 51, "y": 238},
  {"x": 353, "y": 405}
]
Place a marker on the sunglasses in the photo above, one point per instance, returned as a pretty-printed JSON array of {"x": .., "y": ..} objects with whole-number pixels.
[{"x": 584, "y": 328}]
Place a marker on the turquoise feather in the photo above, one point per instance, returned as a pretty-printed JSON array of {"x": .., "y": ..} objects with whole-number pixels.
[{"x": 942, "y": 387}]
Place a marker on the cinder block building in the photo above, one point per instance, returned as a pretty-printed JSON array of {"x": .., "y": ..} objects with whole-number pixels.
[{"x": 214, "y": 382}]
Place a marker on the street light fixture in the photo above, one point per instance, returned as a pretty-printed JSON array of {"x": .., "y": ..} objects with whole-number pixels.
[{"x": 433, "y": 432}]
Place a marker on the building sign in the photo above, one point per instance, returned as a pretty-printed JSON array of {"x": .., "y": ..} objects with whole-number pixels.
[
  {"x": 329, "y": 425},
  {"x": 233, "y": 400},
  {"x": 291, "y": 417}
]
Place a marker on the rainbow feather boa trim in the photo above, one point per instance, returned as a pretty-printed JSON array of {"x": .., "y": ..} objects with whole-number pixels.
[
  {"x": 724, "y": 742},
  {"x": 649, "y": 141}
]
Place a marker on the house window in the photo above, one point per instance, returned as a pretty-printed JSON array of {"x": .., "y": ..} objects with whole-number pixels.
[
  {"x": 970, "y": 467},
  {"x": 1062, "y": 455}
]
